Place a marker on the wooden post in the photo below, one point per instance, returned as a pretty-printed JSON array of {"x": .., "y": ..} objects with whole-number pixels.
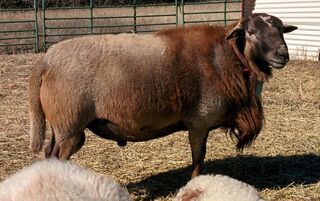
[{"x": 247, "y": 7}]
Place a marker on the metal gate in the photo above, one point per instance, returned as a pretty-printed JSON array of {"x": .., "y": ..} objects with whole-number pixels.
[
  {"x": 19, "y": 32},
  {"x": 35, "y": 29}
]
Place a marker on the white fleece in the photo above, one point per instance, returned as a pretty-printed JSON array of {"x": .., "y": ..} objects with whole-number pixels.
[
  {"x": 217, "y": 188},
  {"x": 54, "y": 180}
]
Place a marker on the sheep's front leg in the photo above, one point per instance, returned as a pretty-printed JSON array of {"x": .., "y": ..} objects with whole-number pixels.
[{"x": 198, "y": 141}]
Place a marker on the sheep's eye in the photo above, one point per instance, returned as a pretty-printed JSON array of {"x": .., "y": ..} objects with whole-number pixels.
[{"x": 250, "y": 32}]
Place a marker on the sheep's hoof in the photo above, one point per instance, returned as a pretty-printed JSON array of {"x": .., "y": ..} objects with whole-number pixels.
[{"x": 122, "y": 143}]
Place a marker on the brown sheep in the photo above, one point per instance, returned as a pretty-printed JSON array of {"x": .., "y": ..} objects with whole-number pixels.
[{"x": 131, "y": 87}]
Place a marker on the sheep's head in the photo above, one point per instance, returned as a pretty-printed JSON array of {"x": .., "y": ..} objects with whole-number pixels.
[{"x": 260, "y": 38}]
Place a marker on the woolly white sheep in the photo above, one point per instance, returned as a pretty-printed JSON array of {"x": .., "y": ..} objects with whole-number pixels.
[
  {"x": 54, "y": 180},
  {"x": 217, "y": 188}
]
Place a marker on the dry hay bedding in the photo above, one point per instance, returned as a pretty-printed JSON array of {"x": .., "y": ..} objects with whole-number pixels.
[{"x": 283, "y": 163}]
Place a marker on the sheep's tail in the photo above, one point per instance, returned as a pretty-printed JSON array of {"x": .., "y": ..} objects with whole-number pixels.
[{"x": 37, "y": 116}]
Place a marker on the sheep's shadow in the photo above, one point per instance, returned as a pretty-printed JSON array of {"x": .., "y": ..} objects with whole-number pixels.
[{"x": 261, "y": 172}]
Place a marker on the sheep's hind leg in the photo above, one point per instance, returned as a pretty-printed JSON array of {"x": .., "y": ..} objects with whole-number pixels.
[{"x": 64, "y": 149}]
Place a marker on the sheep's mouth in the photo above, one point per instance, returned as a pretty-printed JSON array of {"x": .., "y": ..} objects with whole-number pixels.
[{"x": 278, "y": 64}]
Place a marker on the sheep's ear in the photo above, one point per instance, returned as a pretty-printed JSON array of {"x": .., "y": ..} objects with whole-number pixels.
[
  {"x": 288, "y": 28},
  {"x": 235, "y": 33},
  {"x": 191, "y": 195},
  {"x": 239, "y": 30}
]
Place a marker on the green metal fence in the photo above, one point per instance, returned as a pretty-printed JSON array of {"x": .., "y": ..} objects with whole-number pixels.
[
  {"x": 44, "y": 26},
  {"x": 93, "y": 20},
  {"x": 19, "y": 33},
  {"x": 224, "y": 11}
]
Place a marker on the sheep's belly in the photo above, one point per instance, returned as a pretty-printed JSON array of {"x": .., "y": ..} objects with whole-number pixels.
[{"x": 111, "y": 131}]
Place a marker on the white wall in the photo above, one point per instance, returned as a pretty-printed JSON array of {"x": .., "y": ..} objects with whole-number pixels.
[{"x": 303, "y": 43}]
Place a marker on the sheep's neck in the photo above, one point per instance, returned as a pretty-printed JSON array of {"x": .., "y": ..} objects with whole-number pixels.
[{"x": 253, "y": 81}]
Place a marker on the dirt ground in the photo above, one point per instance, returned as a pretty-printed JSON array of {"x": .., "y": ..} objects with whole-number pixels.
[{"x": 283, "y": 163}]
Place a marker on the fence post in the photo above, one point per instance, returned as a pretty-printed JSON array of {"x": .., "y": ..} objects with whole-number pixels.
[
  {"x": 91, "y": 17},
  {"x": 182, "y": 11},
  {"x": 225, "y": 13},
  {"x": 134, "y": 16},
  {"x": 35, "y": 5},
  {"x": 44, "y": 25},
  {"x": 177, "y": 12}
]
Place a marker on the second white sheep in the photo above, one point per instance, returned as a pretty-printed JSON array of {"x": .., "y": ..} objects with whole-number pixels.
[{"x": 217, "y": 188}]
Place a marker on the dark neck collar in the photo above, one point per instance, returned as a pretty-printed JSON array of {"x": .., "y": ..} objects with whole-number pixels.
[{"x": 246, "y": 66}]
